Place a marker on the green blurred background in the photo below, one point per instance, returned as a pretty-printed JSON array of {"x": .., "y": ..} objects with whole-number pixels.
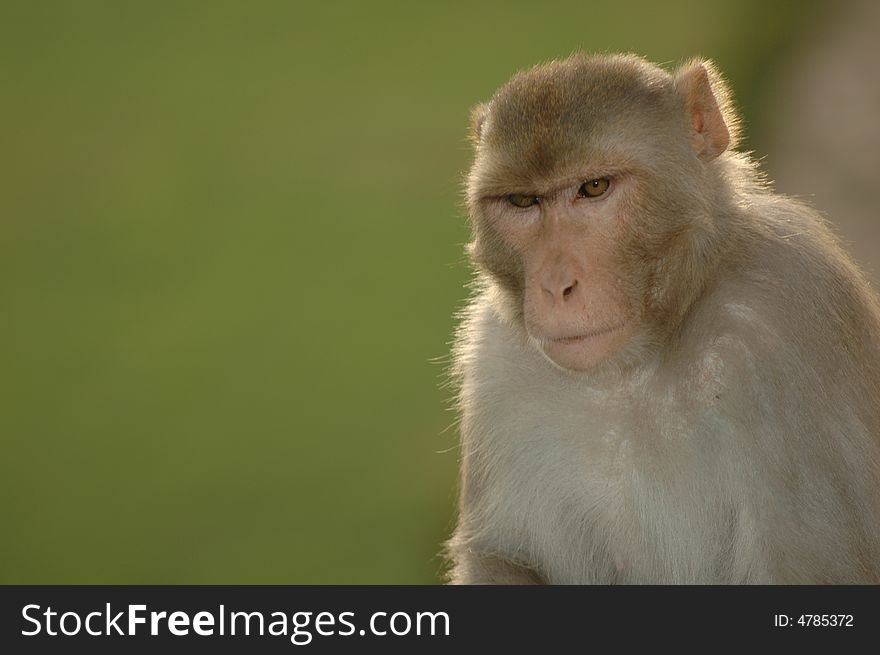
[{"x": 231, "y": 251}]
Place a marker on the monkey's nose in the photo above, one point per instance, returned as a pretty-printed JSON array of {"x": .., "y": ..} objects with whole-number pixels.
[{"x": 560, "y": 292}]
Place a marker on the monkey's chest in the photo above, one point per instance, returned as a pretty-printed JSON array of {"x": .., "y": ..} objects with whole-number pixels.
[{"x": 599, "y": 497}]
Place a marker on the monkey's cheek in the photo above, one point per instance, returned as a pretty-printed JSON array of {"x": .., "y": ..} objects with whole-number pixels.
[{"x": 586, "y": 353}]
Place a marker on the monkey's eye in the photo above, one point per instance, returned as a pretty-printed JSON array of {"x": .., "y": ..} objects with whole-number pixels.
[
  {"x": 522, "y": 200},
  {"x": 594, "y": 188}
]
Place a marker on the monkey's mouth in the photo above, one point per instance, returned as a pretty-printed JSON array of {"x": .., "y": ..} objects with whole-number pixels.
[
  {"x": 584, "y": 350},
  {"x": 584, "y": 336}
]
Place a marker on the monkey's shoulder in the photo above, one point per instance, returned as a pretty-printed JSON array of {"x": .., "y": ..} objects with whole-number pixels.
[
  {"x": 796, "y": 252},
  {"x": 794, "y": 325},
  {"x": 796, "y": 274}
]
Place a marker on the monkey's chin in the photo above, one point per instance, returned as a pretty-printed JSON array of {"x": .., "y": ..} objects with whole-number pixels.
[{"x": 584, "y": 352}]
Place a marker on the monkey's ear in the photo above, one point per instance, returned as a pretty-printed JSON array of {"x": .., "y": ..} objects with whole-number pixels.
[
  {"x": 707, "y": 102},
  {"x": 478, "y": 118}
]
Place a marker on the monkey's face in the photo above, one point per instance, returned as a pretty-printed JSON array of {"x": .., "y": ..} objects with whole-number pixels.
[{"x": 576, "y": 300}]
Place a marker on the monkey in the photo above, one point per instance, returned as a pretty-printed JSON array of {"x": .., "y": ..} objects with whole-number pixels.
[{"x": 667, "y": 373}]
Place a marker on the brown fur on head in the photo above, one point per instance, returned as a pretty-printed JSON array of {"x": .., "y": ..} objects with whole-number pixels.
[{"x": 587, "y": 276}]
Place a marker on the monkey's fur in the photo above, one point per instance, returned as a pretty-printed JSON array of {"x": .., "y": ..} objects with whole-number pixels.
[{"x": 734, "y": 435}]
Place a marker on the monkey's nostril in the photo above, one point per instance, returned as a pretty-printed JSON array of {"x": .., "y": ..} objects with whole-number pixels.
[{"x": 567, "y": 291}]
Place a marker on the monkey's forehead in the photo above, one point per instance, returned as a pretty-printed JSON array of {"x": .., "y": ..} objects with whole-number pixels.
[{"x": 552, "y": 119}]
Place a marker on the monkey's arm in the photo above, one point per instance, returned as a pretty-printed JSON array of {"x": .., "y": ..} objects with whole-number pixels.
[
  {"x": 479, "y": 550},
  {"x": 479, "y": 568}
]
